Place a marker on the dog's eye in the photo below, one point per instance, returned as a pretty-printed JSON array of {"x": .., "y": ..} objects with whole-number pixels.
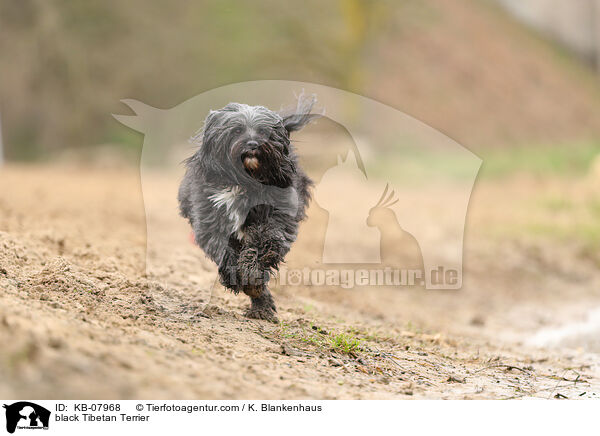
[
  {"x": 263, "y": 131},
  {"x": 237, "y": 130}
]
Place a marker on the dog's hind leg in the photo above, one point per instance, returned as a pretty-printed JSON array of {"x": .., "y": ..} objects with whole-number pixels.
[{"x": 262, "y": 304}]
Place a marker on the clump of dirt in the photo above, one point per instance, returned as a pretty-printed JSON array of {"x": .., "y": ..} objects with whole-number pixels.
[{"x": 58, "y": 275}]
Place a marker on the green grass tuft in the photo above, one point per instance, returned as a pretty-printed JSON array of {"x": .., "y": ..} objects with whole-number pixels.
[{"x": 347, "y": 344}]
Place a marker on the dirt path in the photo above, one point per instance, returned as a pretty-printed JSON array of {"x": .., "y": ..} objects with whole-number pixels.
[{"x": 80, "y": 319}]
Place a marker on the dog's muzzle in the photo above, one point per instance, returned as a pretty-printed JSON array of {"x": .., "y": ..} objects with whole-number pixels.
[{"x": 250, "y": 157}]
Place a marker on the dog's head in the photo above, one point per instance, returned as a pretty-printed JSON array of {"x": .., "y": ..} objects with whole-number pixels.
[{"x": 241, "y": 141}]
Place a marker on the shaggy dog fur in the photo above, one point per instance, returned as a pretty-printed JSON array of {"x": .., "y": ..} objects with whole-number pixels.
[{"x": 244, "y": 195}]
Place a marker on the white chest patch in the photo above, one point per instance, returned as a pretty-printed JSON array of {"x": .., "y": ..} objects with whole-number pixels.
[{"x": 226, "y": 198}]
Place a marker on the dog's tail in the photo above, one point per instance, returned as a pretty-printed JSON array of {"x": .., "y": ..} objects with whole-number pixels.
[{"x": 296, "y": 118}]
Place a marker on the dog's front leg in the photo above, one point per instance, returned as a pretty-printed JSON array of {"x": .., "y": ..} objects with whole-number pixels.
[
  {"x": 241, "y": 270},
  {"x": 255, "y": 267},
  {"x": 229, "y": 269},
  {"x": 263, "y": 247}
]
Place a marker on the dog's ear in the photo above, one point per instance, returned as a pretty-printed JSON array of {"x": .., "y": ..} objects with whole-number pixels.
[{"x": 296, "y": 118}]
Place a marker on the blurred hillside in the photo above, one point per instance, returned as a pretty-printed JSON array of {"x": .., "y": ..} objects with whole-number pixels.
[
  {"x": 573, "y": 24},
  {"x": 462, "y": 66}
]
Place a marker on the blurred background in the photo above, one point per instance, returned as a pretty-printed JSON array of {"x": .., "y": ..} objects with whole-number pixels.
[{"x": 491, "y": 75}]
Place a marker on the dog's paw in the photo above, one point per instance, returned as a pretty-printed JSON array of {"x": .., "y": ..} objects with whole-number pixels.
[{"x": 264, "y": 313}]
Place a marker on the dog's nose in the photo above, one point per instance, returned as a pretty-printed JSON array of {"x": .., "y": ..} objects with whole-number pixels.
[{"x": 252, "y": 144}]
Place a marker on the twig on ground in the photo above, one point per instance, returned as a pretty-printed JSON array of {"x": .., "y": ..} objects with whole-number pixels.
[{"x": 502, "y": 365}]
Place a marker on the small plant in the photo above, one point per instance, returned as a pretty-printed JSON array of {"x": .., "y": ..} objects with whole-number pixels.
[
  {"x": 286, "y": 332},
  {"x": 344, "y": 343}
]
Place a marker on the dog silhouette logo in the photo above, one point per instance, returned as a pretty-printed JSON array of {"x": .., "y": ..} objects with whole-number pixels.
[
  {"x": 390, "y": 191},
  {"x": 26, "y": 415}
]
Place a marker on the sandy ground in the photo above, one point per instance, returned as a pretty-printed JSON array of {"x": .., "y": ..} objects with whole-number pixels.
[{"x": 81, "y": 318}]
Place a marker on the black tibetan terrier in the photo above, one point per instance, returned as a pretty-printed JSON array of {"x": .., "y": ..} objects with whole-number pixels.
[{"x": 244, "y": 195}]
